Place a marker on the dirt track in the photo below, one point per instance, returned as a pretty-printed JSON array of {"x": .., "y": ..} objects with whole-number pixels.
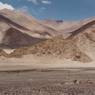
[{"x": 48, "y": 82}]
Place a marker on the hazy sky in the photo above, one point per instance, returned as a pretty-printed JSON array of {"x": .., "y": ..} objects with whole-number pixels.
[{"x": 53, "y": 9}]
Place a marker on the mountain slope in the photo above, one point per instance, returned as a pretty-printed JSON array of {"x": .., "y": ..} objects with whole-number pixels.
[
  {"x": 79, "y": 47},
  {"x": 31, "y": 24},
  {"x": 26, "y": 35},
  {"x": 21, "y": 24}
]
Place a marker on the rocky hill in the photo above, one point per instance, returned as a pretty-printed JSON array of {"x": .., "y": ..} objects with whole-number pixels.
[
  {"x": 26, "y": 35},
  {"x": 18, "y": 29}
]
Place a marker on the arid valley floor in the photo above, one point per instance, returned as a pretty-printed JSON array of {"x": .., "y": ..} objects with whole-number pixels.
[{"x": 48, "y": 82}]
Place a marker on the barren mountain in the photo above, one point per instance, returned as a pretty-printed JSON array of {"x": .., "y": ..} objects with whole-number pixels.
[
  {"x": 65, "y": 39},
  {"x": 79, "y": 46},
  {"x": 18, "y": 29}
]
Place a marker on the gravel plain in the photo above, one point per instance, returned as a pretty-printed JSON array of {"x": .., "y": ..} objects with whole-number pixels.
[{"x": 75, "y": 81}]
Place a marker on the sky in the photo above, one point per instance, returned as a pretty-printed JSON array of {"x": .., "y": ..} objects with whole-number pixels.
[{"x": 53, "y": 9}]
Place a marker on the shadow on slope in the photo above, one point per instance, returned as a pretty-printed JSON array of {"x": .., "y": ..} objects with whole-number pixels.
[{"x": 16, "y": 39}]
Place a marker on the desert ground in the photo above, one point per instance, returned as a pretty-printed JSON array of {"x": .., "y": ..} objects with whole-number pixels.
[
  {"x": 32, "y": 75},
  {"x": 67, "y": 81},
  {"x": 29, "y": 62}
]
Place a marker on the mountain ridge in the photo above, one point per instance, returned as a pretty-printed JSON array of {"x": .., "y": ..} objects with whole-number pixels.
[{"x": 43, "y": 38}]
